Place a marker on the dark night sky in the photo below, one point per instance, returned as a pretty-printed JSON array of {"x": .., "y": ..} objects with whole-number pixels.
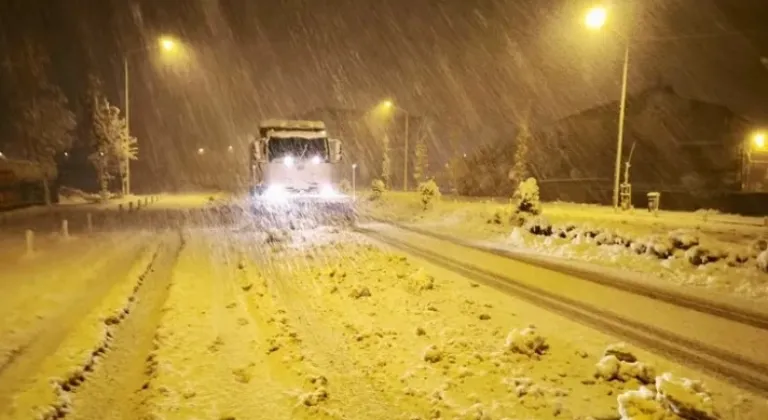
[{"x": 470, "y": 65}]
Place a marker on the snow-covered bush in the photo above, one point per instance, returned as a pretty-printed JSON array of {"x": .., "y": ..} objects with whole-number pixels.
[
  {"x": 429, "y": 191},
  {"x": 378, "y": 188},
  {"x": 526, "y": 197},
  {"x": 539, "y": 226},
  {"x": 345, "y": 186},
  {"x": 682, "y": 239},
  {"x": 762, "y": 261},
  {"x": 757, "y": 246}
]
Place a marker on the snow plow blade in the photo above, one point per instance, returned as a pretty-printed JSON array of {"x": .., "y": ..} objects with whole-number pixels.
[{"x": 303, "y": 213}]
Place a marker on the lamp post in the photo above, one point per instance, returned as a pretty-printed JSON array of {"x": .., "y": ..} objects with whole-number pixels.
[
  {"x": 596, "y": 19},
  {"x": 166, "y": 44},
  {"x": 388, "y": 104},
  {"x": 354, "y": 187},
  {"x": 757, "y": 141}
]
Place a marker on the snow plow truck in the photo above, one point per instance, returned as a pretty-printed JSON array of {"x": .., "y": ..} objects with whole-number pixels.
[{"x": 292, "y": 165}]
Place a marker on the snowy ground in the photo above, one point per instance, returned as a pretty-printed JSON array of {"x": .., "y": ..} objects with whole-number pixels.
[
  {"x": 321, "y": 323},
  {"x": 488, "y": 222}
]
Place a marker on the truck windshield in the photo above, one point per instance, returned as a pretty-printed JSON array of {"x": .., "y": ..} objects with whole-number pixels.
[{"x": 299, "y": 148}]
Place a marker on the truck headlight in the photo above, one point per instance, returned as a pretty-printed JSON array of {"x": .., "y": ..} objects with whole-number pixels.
[
  {"x": 316, "y": 160},
  {"x": 288, "y": 160}
]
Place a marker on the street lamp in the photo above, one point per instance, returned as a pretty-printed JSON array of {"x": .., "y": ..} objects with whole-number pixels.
[
  {"x": 596, "y": 19},
  {"x": 354, "y": 188},
  {"x": 165, "y": 43},
  {"x": 758, "y": 140},
  {"x": 388, "y": 104},
  {"x": 200, "y": 151}
]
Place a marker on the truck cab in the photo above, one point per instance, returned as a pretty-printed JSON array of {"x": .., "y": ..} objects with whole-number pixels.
[{"x": 293, "y": 158}]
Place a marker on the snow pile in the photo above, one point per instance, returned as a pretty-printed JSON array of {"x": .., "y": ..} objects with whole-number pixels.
[
  {"x": 526, "y": 341},
  {"x": 671, "y": 397},
  {"x": 659, "y": 397}
]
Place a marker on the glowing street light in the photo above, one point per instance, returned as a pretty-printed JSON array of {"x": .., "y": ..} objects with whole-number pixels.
[
  {"x": 759, "y": 140},
  {"x": 389, "y": 104},
  {"x": 596, "y": 17},
  {"x": 167, "y": 43},
  {"x": 200, "y": 151}
]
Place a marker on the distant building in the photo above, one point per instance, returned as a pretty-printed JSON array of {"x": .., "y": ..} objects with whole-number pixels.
[{"x": 680, "y": 144}]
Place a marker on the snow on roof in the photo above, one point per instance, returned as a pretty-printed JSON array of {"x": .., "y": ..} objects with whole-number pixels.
[
  {"x": 284, "y": 134},
  {"x": 293, "y": 124}
]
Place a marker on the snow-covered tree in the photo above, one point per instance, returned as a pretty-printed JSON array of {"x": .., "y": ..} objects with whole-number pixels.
[
  {"x": 421, "y": 160},
  {"x": 45, "y": 129},
  {"x": 520, "y": 168},
  {"x": 112, "y": 144},
  {"x": 125, "y": 150},
  {"x": 386, "y": 164},
  {"x": 377, "y": 189},
  {"x": 526, "y": 197},
  {"x": 429, "y": 192}
]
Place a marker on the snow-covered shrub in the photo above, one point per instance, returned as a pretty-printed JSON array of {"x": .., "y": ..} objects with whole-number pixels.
[
  {"x": 526, "y": 341},
  {"x": 610, "y": 368},
  {"x": 682, "y": 239},
  {"x": 429, "y": 191},
  {"x": 378, "y": 188},
  {"x": 737, "y": 258},
  {"x": 762, "y": 261},
  {"x": 526, "y": 197},
  {"x": 518, "y": 218},
  {"x": 757, "y": 246},
  {"x": 698, "y": 255},
  {"x": 432, "y": 354},
  {"x": 345, "y": 186},
  {"x": 539, "y": 226}
]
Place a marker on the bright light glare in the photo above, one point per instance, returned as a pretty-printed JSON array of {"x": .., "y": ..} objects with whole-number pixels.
[
  {"x": 759, "y": 140},
  {"x": 200, "y": 151},
  {"x": 596, "y": 17},
  {"x": 275, "y": 193},
  {"x": 288, "y": 160},
  {"x": 167, "y": 43},
  {"x": 354, "y": 166},
  {"x": 328, "y": 191},
  {"x": 316, "y": 160}
]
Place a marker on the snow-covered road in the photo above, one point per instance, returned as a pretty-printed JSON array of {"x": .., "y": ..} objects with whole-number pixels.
[
  {"x": 730, "y": 344},
  {"x": 205, "y": 320}
]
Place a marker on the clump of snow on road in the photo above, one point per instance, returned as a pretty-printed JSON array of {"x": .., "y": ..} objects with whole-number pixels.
[{"x": 527, "y": 341}]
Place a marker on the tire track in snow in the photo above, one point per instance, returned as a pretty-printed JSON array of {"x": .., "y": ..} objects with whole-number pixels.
[
  {"x": 730, "y": 366},
  {"x": 326, "y": 344},
  {"x": 114, "y": 391},
  {"x": 48, "y": 336}
]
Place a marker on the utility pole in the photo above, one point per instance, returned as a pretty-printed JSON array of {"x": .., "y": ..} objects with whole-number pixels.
[
  {"x": 127, "y": 105},
  {"x": 405, "y": 155}
]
